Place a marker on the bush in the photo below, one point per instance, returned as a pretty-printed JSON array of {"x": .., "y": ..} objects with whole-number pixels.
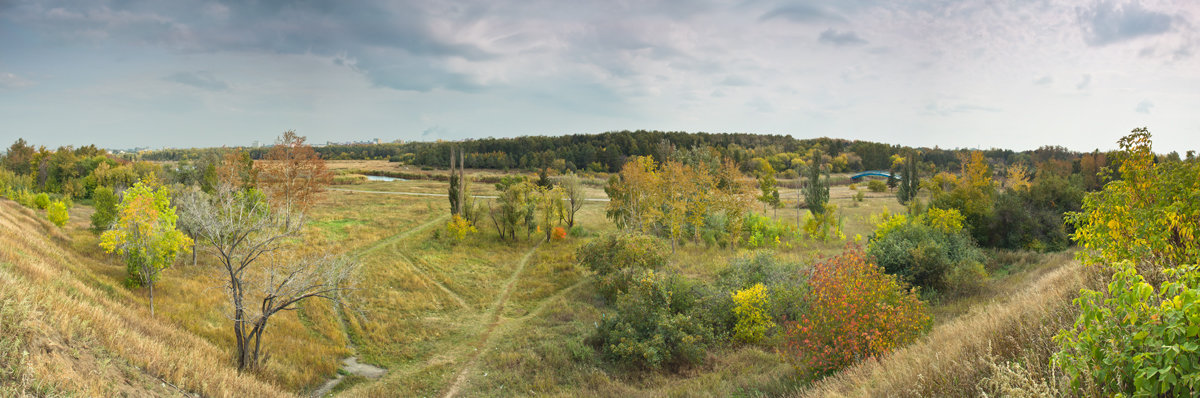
[
  {"x": 751, "y": 306},
  {"x": 458, "y": 228},
  {"x": 57, "y": 213},
  {"x": 577, "y": 231},
  {"x": 651, "y": 328},
  {"x": 877, "y": 186},
  {"x": 1135, "y": 340},
  {"x": 922, "y": 250},
  {"x": 856, "y": 311},
  {"x": 558, "y": 233},
  {"x": 762, "y": 231},
  {"x": 787, "y": 290},
  {"x": 618, "y": 257},
  {"x": 824, "y": 225},
  {"x": 1033, "y": 219},
  {"x": 41, "y": 201}
]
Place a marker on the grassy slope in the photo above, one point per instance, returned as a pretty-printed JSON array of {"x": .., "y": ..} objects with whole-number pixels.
[
  {"x": 999, "y": 348},
  {"x": 68, "y": 329}
]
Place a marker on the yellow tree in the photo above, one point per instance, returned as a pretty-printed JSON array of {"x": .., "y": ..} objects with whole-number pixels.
[
  {"x": 145, "y": 235},
  {"x": 734, "y": 198},
  {"x": 673, "y": 191},
  {"x": 1018, "y": 177}
]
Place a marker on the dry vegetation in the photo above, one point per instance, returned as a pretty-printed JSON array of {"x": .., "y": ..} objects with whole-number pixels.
[{"x": 73, "y": 330}]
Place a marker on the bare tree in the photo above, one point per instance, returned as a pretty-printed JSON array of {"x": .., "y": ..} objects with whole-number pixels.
[{"x": 249, "y": 238}]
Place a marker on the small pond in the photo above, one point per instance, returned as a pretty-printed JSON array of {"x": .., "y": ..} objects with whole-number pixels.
[{"x": 382, "y": 178}]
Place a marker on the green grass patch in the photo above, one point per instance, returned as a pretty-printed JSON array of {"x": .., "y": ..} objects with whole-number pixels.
[{"x": 335, "y": 230}]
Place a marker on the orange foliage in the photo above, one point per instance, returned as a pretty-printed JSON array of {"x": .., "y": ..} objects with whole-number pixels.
[
  {"x": 856, "y": 312},
  {"x": 292, "y": 174}
]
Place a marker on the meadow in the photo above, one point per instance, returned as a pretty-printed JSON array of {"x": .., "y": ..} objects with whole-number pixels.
[{"x": 484, "y": 317}]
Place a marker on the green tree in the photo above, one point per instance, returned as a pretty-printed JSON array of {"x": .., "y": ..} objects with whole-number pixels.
[
  {"x": 106, "y": 208},
  {"x": 145, "y": 235},
  {"x": 816, "y": 194},
  {"x": 767, "y": 185},
  {"x": 910, "y": 182}
]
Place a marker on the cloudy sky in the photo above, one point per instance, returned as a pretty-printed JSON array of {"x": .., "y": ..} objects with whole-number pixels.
[{"x": 1011, "y": 74}]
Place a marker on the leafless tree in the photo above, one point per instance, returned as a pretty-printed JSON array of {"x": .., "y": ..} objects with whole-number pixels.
[{"x": 261, "y": 278}]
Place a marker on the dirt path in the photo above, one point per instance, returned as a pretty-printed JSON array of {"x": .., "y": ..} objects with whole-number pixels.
[
  {"x": 493, "y": 317},
  {"x": 351, "y": 365},
  {"x": 414, "y": 263}
]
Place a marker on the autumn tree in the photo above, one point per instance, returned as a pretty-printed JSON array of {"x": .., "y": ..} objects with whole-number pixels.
[
  {"x": 1090, "y": 167},
  {"x": 261, "y": 272},
  {"x": 1017, "y": 177},
  {"x": 573, "y": 191},
  {"x": 145, "y": 236},
  {"x": 292, "y": 174}
]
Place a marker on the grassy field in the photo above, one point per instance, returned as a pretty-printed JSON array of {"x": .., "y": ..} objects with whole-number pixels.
[{"x": 473, "y": 318}]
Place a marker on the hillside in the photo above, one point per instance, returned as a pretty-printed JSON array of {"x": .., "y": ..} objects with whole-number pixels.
[{"x": 67, "y": 330}]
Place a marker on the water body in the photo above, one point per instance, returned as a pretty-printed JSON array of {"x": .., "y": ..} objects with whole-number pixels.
[{"x": 382, "y": 178}]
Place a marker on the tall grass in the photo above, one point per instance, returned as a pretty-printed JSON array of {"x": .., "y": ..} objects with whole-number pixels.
[{"x": 78, "y": 334}]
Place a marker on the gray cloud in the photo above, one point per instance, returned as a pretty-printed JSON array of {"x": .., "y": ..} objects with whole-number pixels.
[
  {"x": 1106, "y": 22},
  {"x": 198, "y": 79},
  {"x": 1144, "y": 107},
  {"x": 840, "y": 39},
  {"x": 1084, "y": 83},
  {"x": 1044, "y": 80},
  {"x": 802, "y": 13}
]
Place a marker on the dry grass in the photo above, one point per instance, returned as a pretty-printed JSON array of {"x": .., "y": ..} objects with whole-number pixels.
[
  {"x": 82, "y": 334},
  {"x": 997, "y": 348}
]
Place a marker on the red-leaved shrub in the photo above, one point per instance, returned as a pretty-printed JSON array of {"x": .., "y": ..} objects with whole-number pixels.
[{"x": 856, "y": 311}]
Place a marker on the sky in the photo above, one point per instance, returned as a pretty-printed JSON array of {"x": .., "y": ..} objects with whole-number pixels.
[{"x": 981, "y": 74}]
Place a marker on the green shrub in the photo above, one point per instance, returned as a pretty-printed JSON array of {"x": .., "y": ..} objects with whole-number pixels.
[
  {"x": 1033, "y": 219},
  {"x": 1134, "y": 340},
  {"x": 924, "y": 249},
  {"x": 824, "y": 225},
  {"x": 577, "y": 231},
  {"x": 57, "y": 213},
  {"x": 877, "y": 186},
  {"x": 785, "y": 285},
  {"x": 762, "y": 231},
  {"x": 617, "y": 257},
  {"x": 651, "y": 328},
  {"x": 41, "y": 201}
]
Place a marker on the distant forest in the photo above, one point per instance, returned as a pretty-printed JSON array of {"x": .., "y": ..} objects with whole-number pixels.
[{"x": 606, "y": 152}]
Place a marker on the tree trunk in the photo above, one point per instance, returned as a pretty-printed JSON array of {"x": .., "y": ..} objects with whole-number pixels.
[{"x": 151, "y": 299}]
